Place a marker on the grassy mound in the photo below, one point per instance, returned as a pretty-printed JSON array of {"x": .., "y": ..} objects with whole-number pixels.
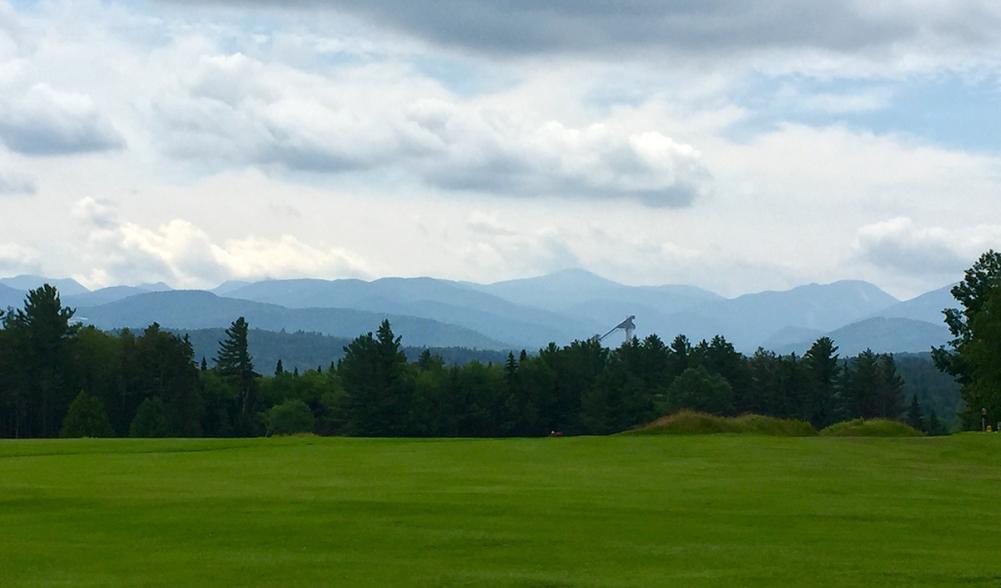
[
  {"x": 871, "y": 428},
  {"x": 688, "y": 422}
]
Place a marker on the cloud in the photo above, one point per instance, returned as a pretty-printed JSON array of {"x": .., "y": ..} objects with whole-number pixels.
[
  {"x": 182, "y": 254},
  {"x": 17, "y": 259},
  {"x": 505, "y": 249},
  {"x": 493, "y": 151},
  {"x": 235, "y": 119},
  {"x": 11, "y": 31},
  {"x": 900, "y": 245},
  {"x": 238, "y": 110},
  {"x": 16, "y": 183},
  {"x": 709, "y": 27},
  {"x": 98, "y": 213},
  {"x": 43, "y": 121}
]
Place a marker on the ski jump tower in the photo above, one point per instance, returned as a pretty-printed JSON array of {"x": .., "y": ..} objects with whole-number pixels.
[{"x": 627, "y": 325}]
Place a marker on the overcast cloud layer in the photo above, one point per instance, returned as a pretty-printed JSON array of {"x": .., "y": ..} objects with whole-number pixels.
[{"x": 733, "y": 145}]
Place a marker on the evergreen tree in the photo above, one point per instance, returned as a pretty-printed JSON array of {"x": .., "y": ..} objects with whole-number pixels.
[
  {"x": 533, "y": 381},
  {"x": 890, "y": 388},
  {"x": 150, "y": 420},
  {"x": 914, "y": 416},
  {"x": 718, "y": 356},
  {"x": 86, "y": 418},
  {"x": 767, "y": 391},
  {"x": 822, "y": 363},
  {"x": 862, "y": 384},
  {"x": 681, "y": 356},
  {"x": 618, "y": 399},
  {"x": 234, "y": 362},
  {"x": 159, "y": 363},
  {"x": 935, "y": 426},
  {"x": 373, "y": 372},
  {"x": 43, "y": 330},
  {"x": 429, "y": 361},
  {"x": 279, "y": 368},
  {"x": 96, "y": 366}
]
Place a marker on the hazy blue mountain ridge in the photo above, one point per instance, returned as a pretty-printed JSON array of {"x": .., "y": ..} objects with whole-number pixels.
[
  {"x": 882, "y": 335},
  {"x": 927, "y": 307},
  {"x": 66, "y": 286},
  {"x": 440, "y": 300},
  {"x": 10, "y": 297},
  {"x": 197, "y": 309},
  {"x": 103, "y": 296},
  {"x": 524, "y": 313}
]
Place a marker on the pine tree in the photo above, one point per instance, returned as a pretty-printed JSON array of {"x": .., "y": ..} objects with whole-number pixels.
[
  {"x": 510, "y": 369},
  {"x": 914, "y": 416},
  {"x": 890, "y": 388},
  {"x": 427, "y": 361},
  {"x": 862, "y": 383},
  {"x": 44, "y": 330},
  {"x": 279, "y": 368},
  {"x": 234, "y": 362},
  {"x": 822, "y": 362},
  {"x": 935, "y": 426},
  {"x": 373, "y": 372}
]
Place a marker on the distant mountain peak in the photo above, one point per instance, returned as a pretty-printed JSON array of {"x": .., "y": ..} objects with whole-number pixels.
[
  {"x": 573, "y": 277},
  {"x": 66, "y": 286},
  {"x": 155, "y": 287}
]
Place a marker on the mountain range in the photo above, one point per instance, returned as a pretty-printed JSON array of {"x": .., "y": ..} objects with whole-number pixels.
[{"x": 524, "y": 313}]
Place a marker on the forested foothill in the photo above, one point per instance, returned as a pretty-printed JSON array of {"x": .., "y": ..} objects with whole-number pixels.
[{"x": 60, "y": 378}]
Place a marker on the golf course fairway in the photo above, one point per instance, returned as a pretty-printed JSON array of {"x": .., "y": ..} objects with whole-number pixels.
[{"x": 699, "y": 510}]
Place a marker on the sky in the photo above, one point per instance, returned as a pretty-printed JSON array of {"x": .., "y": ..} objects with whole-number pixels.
[{"x": 732, "y": 145}]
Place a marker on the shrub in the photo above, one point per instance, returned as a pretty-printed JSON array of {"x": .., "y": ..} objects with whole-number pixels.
[
  {"x": 150, "y": 420},
  {"x": 688, "y": 422},
  {"x": 699, "y": 390},
  {"x": 86, "y": 418},
  {"x": 871, "y": 428},
  {"x": 290, "y": 417}
]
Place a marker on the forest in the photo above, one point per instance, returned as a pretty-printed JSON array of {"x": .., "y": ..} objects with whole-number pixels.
[{"x": 58, "y": 378}]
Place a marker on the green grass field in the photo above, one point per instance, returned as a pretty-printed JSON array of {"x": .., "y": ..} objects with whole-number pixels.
[{"x": 716, "y": 510}]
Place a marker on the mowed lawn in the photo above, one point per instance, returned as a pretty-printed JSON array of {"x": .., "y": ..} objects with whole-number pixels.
[{"x": 617, "y": 511}]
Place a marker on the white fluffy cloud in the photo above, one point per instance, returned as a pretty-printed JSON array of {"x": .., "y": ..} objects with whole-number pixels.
[
  {"x": 183, "y": 254},
  {"x": 44, "y": 121},
  {"x": 18, "y": 259},
  {"x": 900, "y": 245},
  {"x": 246, "y": 143},
  {"x": 238, "y": 110}
]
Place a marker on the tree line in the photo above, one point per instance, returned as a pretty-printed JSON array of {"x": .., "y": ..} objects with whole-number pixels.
[{"x": 60, "y": 378}]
